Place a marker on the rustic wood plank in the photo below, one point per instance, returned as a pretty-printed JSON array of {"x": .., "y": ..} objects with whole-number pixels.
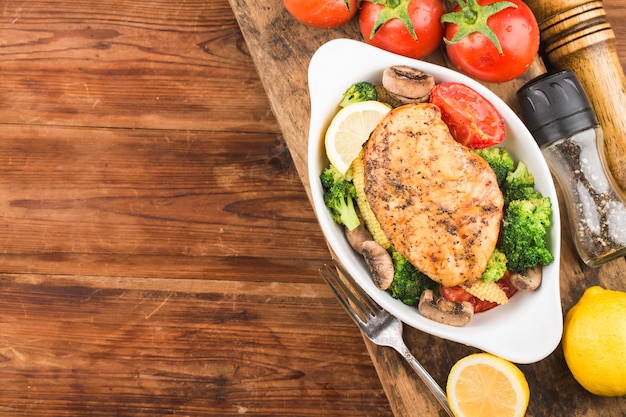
[
  {"x": 149, "y": 193},
  {"x": 282, "y": 49},
  {"x": 156, "y": 64},
  {"x": 111, "y": 346}
]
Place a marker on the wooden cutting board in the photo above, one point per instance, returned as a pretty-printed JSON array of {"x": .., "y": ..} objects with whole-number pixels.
[{"x": 281, "y": 49}]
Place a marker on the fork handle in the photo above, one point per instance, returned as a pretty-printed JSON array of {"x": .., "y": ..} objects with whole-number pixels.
[{"x": 432, "y": 385}]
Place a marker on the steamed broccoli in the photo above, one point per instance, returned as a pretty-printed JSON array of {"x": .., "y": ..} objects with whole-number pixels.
[
  {"x": 520, "y": 185},
  {"x": 496, "y": 267},
  {"x": 361, "y": 91},
  {"x": 524, "y": 232},
  {"x": 339, "y": 194},
  {"x": 500, "y": 160},
  {"x": 408, "y": 283}
]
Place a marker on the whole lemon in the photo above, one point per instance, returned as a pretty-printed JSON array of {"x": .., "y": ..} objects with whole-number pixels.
[{"x": 594, "y": 341}]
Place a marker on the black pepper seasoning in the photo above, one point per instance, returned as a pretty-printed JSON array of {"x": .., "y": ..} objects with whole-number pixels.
[{"x": 558, "y": 114}]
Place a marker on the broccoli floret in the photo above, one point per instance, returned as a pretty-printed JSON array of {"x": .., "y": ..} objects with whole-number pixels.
[
  {"x": 496, "y": 267},
  {"x": 408, "y": 283},
  {"x": 339, "y": 197},
  {"x": 331, "y": 175},
  {"x": 361, "y": 91},
  {"x": 524, "y": 232},
  {"x": 520, "y": 185},
  {"x": 500, "y": 160}
]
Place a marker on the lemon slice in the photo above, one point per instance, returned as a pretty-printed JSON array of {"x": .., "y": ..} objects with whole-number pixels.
[
  {"x": 482, "y": 385},
  {"x": 350, "y": 129}
]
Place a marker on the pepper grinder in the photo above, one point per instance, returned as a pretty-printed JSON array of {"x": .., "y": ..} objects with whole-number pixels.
[
  {"x": 575, "y": 35},
  {"x": 557, "y": 112}
]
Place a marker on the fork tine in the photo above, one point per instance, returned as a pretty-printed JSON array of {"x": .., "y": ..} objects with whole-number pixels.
[
  {"x": 359, "y": 302},
  {"x": 371, "y": 304},
  {"x": 341, "y": 294}
]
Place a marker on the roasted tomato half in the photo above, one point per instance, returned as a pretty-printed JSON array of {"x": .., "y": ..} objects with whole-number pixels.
[{"x": 458, "y": 295}]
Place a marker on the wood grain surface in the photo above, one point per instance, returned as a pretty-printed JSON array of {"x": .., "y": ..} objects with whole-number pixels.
[
  {"x": 158, "y": 254},
  {"x": 281, "y": 49}
]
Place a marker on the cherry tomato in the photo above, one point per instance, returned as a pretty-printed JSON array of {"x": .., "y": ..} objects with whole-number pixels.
[
  {"x": 388, "y": 25},
  {"x": 458, "y": 295},
  {"x": 515, "y": 28},
  {"x": 472, "y": 119},
  {"x": 322, "y": 13}
]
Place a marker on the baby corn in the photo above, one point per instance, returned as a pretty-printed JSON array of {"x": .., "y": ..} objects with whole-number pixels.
[
  {"x": 487, "y": 291},
  {"x": 358, "y": 178}
]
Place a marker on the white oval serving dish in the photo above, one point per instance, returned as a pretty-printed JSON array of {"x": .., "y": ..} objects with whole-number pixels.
[{"x": 530, "y": 326}]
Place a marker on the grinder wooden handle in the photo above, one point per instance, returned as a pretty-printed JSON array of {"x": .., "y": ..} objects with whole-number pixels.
[{"x": 575, "y": 35}]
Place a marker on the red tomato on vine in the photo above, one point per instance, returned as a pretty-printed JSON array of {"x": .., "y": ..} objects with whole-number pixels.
[
  {"x": 406, "y": 27},
  {"x": 322, "y": 13},
  {"x": 493, "y": 41}
]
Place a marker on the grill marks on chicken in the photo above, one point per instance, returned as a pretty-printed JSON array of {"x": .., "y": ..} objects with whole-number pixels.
[{"x": 436, "y": 200}]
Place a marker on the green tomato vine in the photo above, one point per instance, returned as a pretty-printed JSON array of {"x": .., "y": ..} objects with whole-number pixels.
[
  {"x": 473, "y": 18},
  {"x": 394, "y": 9}
]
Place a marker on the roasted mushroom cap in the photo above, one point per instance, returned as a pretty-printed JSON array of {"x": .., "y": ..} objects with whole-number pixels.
[
  {"x": 379, "y": 262},
  {"x": 528, "y": 280},
  {"x": 408, "y": 84},
  {"x": 445, "y": 311},
  {"x": 357, "y": 236}
]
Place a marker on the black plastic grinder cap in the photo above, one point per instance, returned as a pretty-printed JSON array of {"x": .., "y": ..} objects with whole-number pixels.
[{"x": 554, "y": 106}]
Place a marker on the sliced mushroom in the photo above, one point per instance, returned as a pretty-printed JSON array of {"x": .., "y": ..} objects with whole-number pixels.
[
  {"x": 528, "y": 280},
  {"x": 445, "y": 311},
  {"x": 408, "y": 84},
  {"x": 357, "y": 236},
  {"x": 379, "y": 262}
]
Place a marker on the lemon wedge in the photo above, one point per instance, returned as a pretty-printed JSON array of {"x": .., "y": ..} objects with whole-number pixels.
[
  {"x": 350, "y": 129},
  {"x": 482, "y": 385}
]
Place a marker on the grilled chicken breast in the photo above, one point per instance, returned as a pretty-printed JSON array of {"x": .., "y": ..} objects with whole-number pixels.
[{"x": 437, "y": 201}]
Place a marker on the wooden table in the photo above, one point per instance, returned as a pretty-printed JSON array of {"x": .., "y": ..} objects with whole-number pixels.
[{"x": 159, "y": 254}]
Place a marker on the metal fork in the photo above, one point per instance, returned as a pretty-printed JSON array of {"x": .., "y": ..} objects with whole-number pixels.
[{"x": 377, "y": 324}]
